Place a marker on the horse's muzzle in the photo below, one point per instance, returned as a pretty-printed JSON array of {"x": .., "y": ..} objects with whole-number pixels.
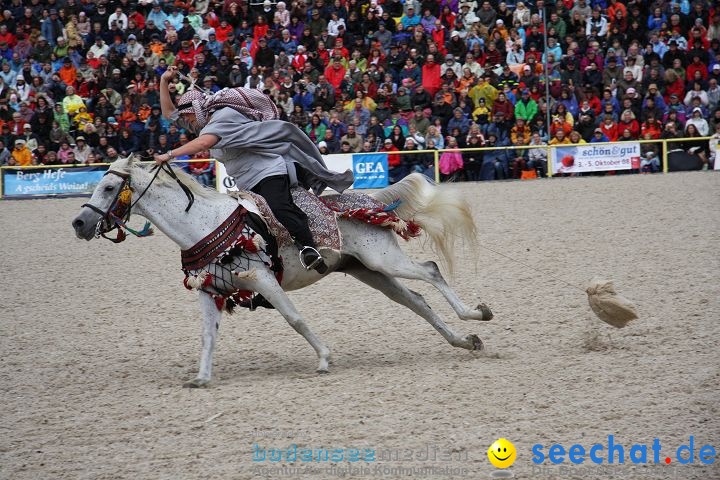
[{"x": 85, "y": 223}]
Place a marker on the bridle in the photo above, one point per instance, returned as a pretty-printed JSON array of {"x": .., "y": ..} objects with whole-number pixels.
[{"x": 118, "y": 213}]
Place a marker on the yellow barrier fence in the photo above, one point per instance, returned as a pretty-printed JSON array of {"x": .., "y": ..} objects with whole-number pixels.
[{"x": 436, "y": 154}]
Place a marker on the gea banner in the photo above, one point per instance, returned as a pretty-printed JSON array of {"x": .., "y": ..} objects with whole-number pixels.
[
  {"x": 28, "y": 182},
  {"x": 595, "y": 158},
  {"x": 371, "y": 171}
]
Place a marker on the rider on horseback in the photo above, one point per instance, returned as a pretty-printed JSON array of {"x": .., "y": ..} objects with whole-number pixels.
[{"x": 264, "y": 155}]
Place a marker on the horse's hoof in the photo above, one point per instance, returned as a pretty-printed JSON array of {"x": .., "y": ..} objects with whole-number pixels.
[
  {"x": 477, "y": 344},
  {"x": 323, "y": 370},
  {"x": 196, "y": 383},
  {"x": 486, "y": 312}
]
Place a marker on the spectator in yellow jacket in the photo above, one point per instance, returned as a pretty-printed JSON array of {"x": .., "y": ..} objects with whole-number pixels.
[{"x": 21, "y": 154}]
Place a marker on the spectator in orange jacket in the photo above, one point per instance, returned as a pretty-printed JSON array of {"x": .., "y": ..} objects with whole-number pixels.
[{"x": 68, "y": 72}]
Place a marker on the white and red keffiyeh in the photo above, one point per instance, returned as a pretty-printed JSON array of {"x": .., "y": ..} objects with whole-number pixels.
[{"x": 250, "y": 102}]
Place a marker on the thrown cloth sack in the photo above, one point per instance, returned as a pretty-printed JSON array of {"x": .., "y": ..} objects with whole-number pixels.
[{"x": 610, "y": 307}]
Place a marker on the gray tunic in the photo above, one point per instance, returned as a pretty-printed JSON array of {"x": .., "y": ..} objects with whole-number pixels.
[{"x": 252, "y": 151}]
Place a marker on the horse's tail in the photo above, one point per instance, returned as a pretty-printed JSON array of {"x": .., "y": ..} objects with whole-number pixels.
[{"x": 439, "y": 210}]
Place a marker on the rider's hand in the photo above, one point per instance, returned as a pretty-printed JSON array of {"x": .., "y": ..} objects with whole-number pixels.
[
  {"x": 161, "y": 158},
  {"x": 169, "y": 74}
]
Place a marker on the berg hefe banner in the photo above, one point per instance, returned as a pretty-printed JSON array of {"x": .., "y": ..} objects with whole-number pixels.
[
  {"x": 595, "y": 158},
  {"x": 29, "y": 182}
]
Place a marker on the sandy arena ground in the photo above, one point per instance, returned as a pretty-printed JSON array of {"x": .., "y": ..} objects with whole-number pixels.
[{"x": 97, "y": 339}]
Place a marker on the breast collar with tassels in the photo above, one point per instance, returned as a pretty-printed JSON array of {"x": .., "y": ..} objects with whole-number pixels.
[
  {"x": 120, "y": 209},
  {"x": 230, "y": 251}
]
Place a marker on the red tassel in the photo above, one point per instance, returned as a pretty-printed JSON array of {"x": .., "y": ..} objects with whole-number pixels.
[
  {"x": 185, "y": 282},
  {"x": 241, "y": 295},
  {"x": 413, "y": 229},
  {"x": 219, "y": 302},
  {"x": 250, "y": 245},
  {"x": 208, "y": 280}
]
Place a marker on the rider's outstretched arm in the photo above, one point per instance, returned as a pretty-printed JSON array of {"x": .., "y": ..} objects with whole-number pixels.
[
  {"x": 202, "y": 143},
  {"x": 166, "y": 104}
]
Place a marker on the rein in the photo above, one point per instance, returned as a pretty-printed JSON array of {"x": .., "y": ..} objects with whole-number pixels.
[{"x": 120, "y": 209}]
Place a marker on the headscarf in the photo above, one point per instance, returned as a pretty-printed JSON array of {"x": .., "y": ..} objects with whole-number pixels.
[{"x": 249, "y": 101}]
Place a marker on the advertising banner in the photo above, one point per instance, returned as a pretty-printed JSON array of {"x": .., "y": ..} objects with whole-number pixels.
[
  {"x": 29, "y": 182},
  {"x": 371, "y": 171},
  {"x": 595, "y": 158}
]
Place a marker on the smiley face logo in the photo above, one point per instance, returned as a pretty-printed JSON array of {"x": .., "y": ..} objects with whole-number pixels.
[{"x": 502, "y": 453}]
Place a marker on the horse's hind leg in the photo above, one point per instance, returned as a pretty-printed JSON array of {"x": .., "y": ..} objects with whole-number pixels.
[
  {"x": 211, "y": 324},
  {"x": 395, "y": 291},
  {"x": 266, "y": 285},
  {"x": 394, "y": 263}
]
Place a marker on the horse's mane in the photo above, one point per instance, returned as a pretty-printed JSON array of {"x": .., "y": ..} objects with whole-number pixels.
[{"x": 124, "y": 165}]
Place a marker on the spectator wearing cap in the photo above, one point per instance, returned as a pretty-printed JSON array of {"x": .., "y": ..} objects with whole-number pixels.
[
  {"x": 68, "y": 72},
  {"x": 82, "y": 150},
  {"x": 31, "y": 139},
  {"x": 133, "y": 47},
  {"x": 21, "y": 154},
  {"x": 526, "y": 108},
  {"x": 186, "y": 31}
]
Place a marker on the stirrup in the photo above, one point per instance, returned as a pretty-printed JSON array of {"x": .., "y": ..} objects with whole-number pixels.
[{"x": 315, "y": 263}]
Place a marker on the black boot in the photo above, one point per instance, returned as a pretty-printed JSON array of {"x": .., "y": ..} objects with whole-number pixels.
[
  {"x": 254, "y": 302},
  {"x": 311, "y": 259}
]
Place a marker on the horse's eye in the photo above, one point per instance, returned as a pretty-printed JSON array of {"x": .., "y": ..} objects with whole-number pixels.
[{"x": 109, "y": 188}]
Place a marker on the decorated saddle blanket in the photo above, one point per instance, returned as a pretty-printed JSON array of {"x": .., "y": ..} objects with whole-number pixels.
[
  {"x": 321, "y": 220},
  {"x": 323, "y": 212}
]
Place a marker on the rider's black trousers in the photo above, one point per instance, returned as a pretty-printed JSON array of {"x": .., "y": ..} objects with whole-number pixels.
[{"x": 276, "y": 191}]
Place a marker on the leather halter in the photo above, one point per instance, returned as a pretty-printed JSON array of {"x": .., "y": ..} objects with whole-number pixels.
[{"x": 117, "y": 215}]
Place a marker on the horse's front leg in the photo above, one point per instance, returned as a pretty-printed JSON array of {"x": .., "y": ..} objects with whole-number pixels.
[
  {"x": 211, "y": 323},
  {"x": 268, "y": 287}
]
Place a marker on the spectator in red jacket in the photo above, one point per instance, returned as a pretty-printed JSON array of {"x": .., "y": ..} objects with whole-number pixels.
[
  {"x": 696, "y": 66},
  {"x": 335, "y": 73},
  {"x": 609, "y": 128},
  {"x": 628, "y": 121},
  {"x": 186, "y": 54},
  {"x": 502, "y": 104},
  {"x": 431, "y": 75}
]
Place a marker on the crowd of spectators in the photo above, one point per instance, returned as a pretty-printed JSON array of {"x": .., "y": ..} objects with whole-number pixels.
[{"x": 79, "y": 79}]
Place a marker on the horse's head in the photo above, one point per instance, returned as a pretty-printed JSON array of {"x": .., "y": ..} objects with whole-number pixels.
[{"x": 111, "y": 197}]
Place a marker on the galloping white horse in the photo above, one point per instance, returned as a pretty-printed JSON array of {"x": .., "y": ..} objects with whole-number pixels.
[{"x": 369, "y": 253}]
